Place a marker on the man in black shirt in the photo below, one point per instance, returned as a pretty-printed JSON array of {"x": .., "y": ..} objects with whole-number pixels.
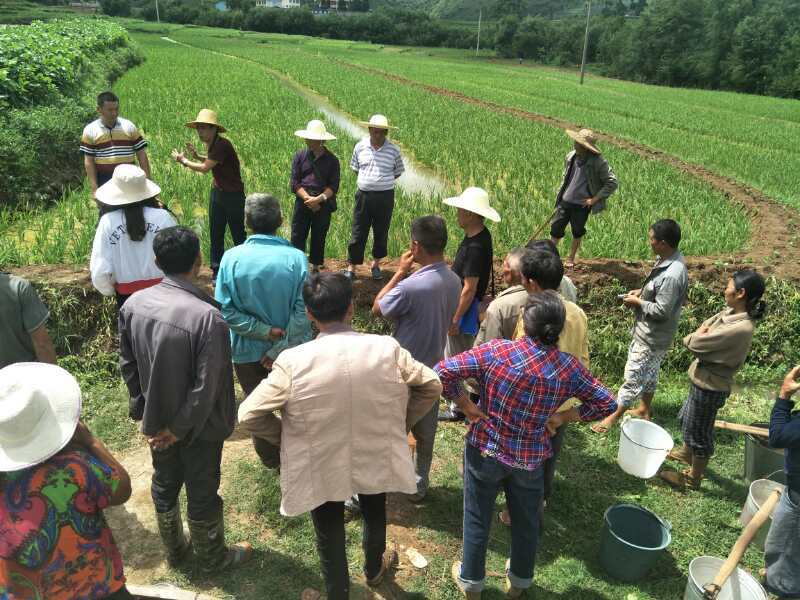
[{"x": 473, "y": 265}]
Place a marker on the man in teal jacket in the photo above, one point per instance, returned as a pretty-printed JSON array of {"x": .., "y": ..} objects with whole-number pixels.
[{"x": 259, "y": 287}]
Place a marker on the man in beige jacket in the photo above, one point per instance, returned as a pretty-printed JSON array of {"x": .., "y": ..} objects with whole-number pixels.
[{"x": 347, "y": 401}]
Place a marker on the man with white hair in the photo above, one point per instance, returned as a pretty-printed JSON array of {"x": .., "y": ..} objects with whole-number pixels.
[
  {"x": 378, "y": 163},
  {"x": 503, "y": 313},
  {"x": 260, "y": 291}
]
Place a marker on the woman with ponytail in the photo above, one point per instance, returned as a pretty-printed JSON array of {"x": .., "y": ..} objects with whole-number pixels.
[
  {"x": 122, "y": 259},
  {"x": 522, "y": 384},
  {"x": 720, "y": 347}
]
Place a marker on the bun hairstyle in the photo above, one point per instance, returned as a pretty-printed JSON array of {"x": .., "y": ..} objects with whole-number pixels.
[
  {"x": 543, "y": 317},
  {"x": 753, "y": 285}
]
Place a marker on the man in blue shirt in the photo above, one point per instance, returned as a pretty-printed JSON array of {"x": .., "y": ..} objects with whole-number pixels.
[
  {"x": 259, "y": 288},
  {"x": 782, "y": 550},
  {"x": 422, "y": 305}
]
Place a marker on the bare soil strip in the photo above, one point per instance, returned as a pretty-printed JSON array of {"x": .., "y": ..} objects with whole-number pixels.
[{"x": 774, "y": 245}]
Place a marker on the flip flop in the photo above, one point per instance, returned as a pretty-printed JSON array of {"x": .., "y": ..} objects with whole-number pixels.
[{"x": 600, "y": 429}]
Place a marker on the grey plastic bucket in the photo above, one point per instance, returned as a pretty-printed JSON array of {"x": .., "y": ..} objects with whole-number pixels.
[
  {"x": 740, "y": 585},
  {"x": 632, "y": 541},
  {"x": 760, "y": 459}
]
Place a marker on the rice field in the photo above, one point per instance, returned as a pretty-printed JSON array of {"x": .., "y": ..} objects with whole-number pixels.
[{"x": 520, "y": 162}]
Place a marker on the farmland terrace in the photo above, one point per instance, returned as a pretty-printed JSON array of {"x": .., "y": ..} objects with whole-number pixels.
[{"x": 723, "y": 165}]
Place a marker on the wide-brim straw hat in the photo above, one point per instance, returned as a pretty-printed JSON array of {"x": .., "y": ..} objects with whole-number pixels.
[
  {"x": 39, "y": 409},
  {"x": 207, "y": 117},
  {"x": 315, "y": 130},
  {"x": 476, "y": 200},
  {"x": 128, "y": 185},
  {"x": 378, "y": 122},
  {"x": 586, "y": 138}
]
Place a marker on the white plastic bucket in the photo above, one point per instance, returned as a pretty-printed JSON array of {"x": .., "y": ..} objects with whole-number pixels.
[
  {"x": 760, "y": 490},
  {"x": 740, "y": 585},
  {"x": 643, "y": 446}
]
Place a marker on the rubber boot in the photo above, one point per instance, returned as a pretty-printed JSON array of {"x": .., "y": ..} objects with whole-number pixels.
[
  {"x": 208, "y": 539},
  {"x": 170, "y": 528}
]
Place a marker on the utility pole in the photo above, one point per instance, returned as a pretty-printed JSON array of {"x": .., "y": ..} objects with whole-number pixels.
[
  {"x": 478, "y": 47},
  {"x": 586, "y": 39},
  {"x": 157, "y": 17}
]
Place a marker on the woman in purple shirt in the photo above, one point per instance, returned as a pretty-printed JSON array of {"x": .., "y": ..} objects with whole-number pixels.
[{"x": 315, "y": 182}]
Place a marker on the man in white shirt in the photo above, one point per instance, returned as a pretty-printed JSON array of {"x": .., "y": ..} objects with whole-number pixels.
[{"x": 378, "y": 163}]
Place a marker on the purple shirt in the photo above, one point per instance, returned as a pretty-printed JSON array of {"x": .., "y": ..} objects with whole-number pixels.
[
  {"x": 422, "y": 306},
  {"x": 303, "y": 176}
]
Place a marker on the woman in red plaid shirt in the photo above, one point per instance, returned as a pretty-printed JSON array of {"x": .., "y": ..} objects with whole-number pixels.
[{"x": 522, "y": 384}]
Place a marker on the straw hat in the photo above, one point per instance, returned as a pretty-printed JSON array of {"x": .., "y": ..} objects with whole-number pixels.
[
  {"x": 378, "y": 122},
  {"x": 39, "y": 409},
  {"x": 128, "y": 185},
  {"x": 586, "y": 138},
  {"x": 208, "y": 117},
  {"x": 315, "y": 130},
  {"x": 474, "y": 199}
]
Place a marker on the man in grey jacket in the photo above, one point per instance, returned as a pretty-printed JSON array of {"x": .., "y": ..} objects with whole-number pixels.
[
  {"x": 657, "y": 307},
  {"x": 587, "y": 183},
  {"x": 175, "y": 358}
]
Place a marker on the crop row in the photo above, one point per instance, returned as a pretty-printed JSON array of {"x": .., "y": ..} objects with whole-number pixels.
[
  {"x": 748, "y": 138},
  {"x": 519, "y": 161}
]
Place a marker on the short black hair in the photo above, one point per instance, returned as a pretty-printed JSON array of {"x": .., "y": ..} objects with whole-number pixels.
[
  {"x": 668, "y": 231},
  {"x": 262, "y": 212},
  {"x": 104, "y": 97},
  {"x": 176, "y": 249},
  {"x": 543, "y": 317},
  {"x": 431, "y": 233},
  {"x": 328, "y": 296},
  {"x": 543, "y": 267},
  {"x": 546, "y": 245}
]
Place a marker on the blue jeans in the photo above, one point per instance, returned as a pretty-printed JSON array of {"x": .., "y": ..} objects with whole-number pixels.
[
  {"x": 782, "y": 549},
  {"x": 483, "y": 478}
]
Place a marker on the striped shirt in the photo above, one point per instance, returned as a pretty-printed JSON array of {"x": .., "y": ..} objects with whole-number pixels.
[
  {"x": 377, "y": 169},
  {"x": 111, "y": 146}
]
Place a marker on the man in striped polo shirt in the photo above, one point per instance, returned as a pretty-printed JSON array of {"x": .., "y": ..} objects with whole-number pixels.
[
  {"x": 378, "y": 163},
  {"x": 110, "y": 141}
]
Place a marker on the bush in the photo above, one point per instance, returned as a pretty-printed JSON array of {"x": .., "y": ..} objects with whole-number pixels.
[{"x": 50, "y": 74}]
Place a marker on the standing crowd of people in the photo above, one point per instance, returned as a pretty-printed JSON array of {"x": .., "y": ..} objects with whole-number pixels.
[{"x": 513, "y": 365}]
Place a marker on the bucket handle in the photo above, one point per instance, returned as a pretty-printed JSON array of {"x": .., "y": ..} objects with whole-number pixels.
[{"x": 665, "y": 523}]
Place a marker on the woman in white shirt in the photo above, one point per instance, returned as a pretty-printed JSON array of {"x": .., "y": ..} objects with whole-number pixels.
[{"x": 122, "y": 259}]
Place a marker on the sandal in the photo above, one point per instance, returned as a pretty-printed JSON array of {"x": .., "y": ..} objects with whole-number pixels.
[
  {"x": 504, "y": 517},
  {"x": 390, "y": 560}
]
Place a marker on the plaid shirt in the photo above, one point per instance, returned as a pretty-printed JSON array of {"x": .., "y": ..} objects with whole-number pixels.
[{"x": 522, "y": 383}]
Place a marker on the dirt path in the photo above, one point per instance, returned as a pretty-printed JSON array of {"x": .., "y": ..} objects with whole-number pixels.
[
  {"x": 136, "y": 532},
  {"x": 774, "y": 246}
]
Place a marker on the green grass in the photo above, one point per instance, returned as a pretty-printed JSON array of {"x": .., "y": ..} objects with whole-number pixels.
[
  {"x": 741, "y": 136},
  {"x": 588, "y": 481}
]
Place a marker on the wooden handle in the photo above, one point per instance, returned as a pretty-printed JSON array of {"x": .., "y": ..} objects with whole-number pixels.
[
  {"x": 711, "y": 590},
  {"x": 761, "y": 431}
]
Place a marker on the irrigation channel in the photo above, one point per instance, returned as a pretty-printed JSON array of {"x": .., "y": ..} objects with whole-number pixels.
[{"x": 416, "y": 180}]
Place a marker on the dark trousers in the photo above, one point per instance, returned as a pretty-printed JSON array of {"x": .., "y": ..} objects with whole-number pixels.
[
  {"x": 484, "y": 477},
  {"x": 549, "y": 467},
  {"x": 121, "y": 298},
  {"x": 305, "y": 220},
  {"x": 371, "y": 210},
  {"x": 196, "y": 465},
  {"x": 329, "y": 525},
  {"x": 572, "y": 214},
  {"x": 249, "y": 376},
  {"x": 224, "y": 208}
]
